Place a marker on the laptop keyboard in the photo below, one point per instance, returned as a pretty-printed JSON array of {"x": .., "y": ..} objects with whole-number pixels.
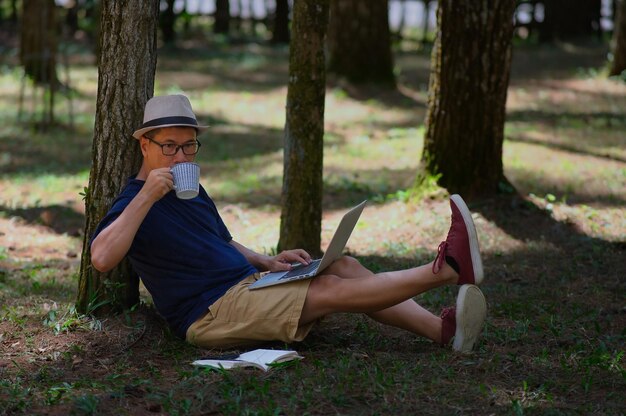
[{"x": 299, "y": 271}]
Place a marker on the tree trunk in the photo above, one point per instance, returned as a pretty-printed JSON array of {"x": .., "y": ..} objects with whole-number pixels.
[
  {"x": 301, "y": 217},
  {"x": 359, "y": 41},
  {"x": 619, "y": 40},
  {"x": 125, "y": 83},
  {"x": 567, "y": 19},
  {"x": 38, "y": 41},
  {"x": 71, "y": 19},
  {"x": 470, "y": 69},
  {"x": 281, "y": 22},
  {"x": 425, "y": 20},
  {"x": 13, "y": 15},
  {"x": 222, "y": 16},
  {"x": 167, "y": 21}
]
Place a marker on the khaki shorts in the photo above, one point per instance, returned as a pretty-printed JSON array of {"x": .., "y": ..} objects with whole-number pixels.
[{"x": 244, "y": 317}]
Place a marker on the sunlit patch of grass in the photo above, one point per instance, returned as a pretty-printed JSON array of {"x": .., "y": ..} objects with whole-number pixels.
[
  {"x": 573, "y": 174},
  {"x": 29, "y": 190},
  {"x": 257, "y": 179}
]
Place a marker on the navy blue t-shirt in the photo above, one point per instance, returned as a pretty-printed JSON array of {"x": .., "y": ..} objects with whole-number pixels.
[{"x": 182, "y": 254}]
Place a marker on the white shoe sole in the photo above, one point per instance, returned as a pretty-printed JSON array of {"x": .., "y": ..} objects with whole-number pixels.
[
  {"x": 477, "y": 262},
  {"x": 471, "y": 311}
]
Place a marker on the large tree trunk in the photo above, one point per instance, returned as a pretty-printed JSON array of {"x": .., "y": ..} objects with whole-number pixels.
[
  {"x": 469, "y": 77},
  {"x": 359, "y": 41},
  {"x": 125, "y": 83},
  {"x": 301, "y": 217},
  {"x": 618, "y": 65}
]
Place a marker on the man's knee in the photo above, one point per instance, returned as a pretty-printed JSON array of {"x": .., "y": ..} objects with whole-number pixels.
[
  {"x": 345, "y": 266},
  {"x": 348, "y": 261},
  {"x": 323, "y": 291},
  {"x": 324, "y": 283}
]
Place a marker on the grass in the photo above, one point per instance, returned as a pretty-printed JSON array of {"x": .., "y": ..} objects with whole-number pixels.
[{"x": 553, "y": 253}]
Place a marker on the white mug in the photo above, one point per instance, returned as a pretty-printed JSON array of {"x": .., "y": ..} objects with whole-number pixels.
[{"x": 186, "y": 179}]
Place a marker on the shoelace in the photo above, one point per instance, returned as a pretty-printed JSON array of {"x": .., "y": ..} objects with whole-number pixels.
[
  {"x": 441, "y": 257},
  {"x": 448, "y": 311}
]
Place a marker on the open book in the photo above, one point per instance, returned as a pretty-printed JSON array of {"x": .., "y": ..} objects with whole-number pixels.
[{"x": 262, "y": 359}]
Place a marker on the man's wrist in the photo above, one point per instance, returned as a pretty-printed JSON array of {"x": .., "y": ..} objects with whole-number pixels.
[{"x": 260, "y": 261}]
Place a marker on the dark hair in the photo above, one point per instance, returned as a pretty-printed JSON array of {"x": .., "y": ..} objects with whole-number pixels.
[{"x": 151, "y": 134}]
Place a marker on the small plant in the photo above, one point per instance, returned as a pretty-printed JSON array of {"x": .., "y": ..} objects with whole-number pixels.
[
  {"x": 86, "y": 404},
  {"x": 55, "y": 393},
  {"x": 13, "y": 314},
  {"x": 69, "y": 320},
  {"x": 426, "y": 187},
  {"x": 84, "y": 193},
  {"x": 13, "y": 396}
]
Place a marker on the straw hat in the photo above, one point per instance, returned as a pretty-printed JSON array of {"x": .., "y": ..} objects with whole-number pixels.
[{"x": 168, "y": 111}]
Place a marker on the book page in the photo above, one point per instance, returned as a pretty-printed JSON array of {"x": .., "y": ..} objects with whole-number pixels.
[
  {"x": 228, "y": 364},
  {"x": 264, "y": 357},
  {"x": 259, "y": 358}
]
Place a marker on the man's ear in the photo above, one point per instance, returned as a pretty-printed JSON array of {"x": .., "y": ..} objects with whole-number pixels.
[{"x": 143, "y": 143}]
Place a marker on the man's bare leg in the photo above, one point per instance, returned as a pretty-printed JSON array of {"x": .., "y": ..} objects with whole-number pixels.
[
  {"x": 407, "y": 315},
  {"x": 347, "y": 286}
]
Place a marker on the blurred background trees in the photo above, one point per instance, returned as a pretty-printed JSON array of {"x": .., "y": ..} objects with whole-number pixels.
[
  {"x": 38, "y": 40},
  {"x": 618, "y": 62},
  {"x": 359, "y": 41},
  {"x": 377, "y": 25},
  {"x": 38, "y": 51}
]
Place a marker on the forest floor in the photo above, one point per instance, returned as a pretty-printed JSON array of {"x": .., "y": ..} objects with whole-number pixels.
[{"x": 554, "y": 251}]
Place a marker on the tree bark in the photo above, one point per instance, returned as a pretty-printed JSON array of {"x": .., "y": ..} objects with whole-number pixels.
[
  {"x": 470, "y": 70},
  {"x": 125, "y": 83},
  {"x": 359, "y": 41},
  {"x": 301, "y": 216},
  {"x": 618, "y": 65}
]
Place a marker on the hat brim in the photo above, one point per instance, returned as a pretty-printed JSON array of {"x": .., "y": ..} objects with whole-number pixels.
[{"x": 138, "y": 133}]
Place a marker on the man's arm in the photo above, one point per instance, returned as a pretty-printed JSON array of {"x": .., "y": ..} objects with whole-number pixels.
[
  {"x": 112, "y": 244},
  {"x": 280, "y": 262}
]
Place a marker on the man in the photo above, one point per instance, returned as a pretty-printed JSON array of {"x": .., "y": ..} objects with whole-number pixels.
[{"x": 198, "y": 275}]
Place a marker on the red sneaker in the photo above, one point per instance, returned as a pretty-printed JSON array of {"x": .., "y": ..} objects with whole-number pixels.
[
  {"x": 463, "y": 324},
  {"x": 448, "y": 325},
  {"x": 460, "y": 250}
]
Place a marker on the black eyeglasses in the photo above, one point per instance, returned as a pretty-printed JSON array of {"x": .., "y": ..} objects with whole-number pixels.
[{"x": 170, "y": 149}]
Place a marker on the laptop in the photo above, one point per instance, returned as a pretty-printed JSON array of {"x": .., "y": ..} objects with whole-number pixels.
[{"x": 315, "y": 267}]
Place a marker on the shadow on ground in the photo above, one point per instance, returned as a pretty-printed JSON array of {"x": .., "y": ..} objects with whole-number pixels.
[
  {"x": 62, "y": 219},
  {"x": 571, "y": 250}
]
